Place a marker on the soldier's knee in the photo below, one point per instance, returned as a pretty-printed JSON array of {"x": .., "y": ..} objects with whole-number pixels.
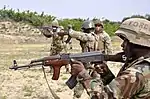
[
  {"x": 78, "y": 93},
  {"x": 77, "y": 96}
]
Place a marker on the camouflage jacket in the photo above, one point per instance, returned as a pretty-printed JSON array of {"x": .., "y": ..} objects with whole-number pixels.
[
  {"x": 132, "y": 83},
  {"x": 103, "y": 43},
  {"x": 57, "y": 44},
  {"x": 86, "y": 40}
]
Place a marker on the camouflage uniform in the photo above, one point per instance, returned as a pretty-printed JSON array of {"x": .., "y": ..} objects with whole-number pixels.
[
  {"x": 57, "y": 45},
  {"x": 132, "y": 82},
  {"x": 103, "y": 43},
  {"x": 86, "y": 39},
  {"x": 57, "y": 41}
]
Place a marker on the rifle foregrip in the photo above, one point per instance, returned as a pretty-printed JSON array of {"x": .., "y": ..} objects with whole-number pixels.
[{"x": 56, "y": 72}]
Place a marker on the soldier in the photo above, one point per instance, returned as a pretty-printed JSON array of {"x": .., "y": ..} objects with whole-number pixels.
[
  {"x": 103, "y": 44},
  {"x": 133, "y": 79},
  {"x": 57, "y": 41},
  {"x": 57, "y": 44},
  {"x": 87, "y": 39},
  {"x": 104, "y": 41}
]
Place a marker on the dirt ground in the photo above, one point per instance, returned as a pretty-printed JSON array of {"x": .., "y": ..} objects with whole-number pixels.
[{"x": 30, "y": 83}]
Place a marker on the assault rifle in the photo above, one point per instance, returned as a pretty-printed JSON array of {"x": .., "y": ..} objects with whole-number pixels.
[
  {"x": 45, "y": 27},
  {"x": 63, "y": 59}
]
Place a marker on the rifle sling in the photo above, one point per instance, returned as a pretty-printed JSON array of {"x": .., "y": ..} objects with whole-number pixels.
[{"x": 50, "y": 89}]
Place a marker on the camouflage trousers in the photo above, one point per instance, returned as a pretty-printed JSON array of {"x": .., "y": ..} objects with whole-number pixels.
[{"x": 78, "y": 91}]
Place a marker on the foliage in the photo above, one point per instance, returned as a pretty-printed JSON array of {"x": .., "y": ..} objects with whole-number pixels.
[
  {"x": 36, "y": 19},
  {"x": 111, "y": 27},
  {"x": 76, "y": 23},
  {"x": 32, "y": 18}
]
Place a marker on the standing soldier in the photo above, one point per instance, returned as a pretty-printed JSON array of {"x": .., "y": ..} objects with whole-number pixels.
[
  {"x": 57, "y": 44},
  {"x": 104, "y": 41},
  {"x": 103, "y": 44},
  {"x": 133, "y": 80},
  {"x": 96, "y": 42},
  {"x": 87, "y": 44},
  {"x": 87, "y": 39},
  {"x": 57, "y": 41}
]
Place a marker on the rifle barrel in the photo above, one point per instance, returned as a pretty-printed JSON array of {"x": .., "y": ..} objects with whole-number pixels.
[
  {"x": 46, "y": 58},
  {"x": 24, "y": 66}
]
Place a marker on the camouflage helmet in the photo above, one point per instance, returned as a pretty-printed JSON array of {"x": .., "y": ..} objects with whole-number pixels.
[
  {"x": 55, "y": 23},
  {"x": 88, "y": 25},
  {"x": 61, "y": 27},
  {"x": 70, "y": 26},
  {"x": 99, "y": 22},
  {"x": 136, "y": 30}
]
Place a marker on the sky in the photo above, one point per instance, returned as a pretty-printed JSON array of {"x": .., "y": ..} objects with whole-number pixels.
[{"x": 114, "y": 10}]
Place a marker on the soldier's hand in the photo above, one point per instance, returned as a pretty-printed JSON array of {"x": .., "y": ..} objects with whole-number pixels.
[
  {"x": 70, "y": 29},
  {"x": 76, "y": 67},
  {"x": 62, "y": 33},
  {"x": 46, "y": 33}
]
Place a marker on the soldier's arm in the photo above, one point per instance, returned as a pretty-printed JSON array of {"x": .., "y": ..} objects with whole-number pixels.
[
  {"x": 82, "y": 36},
  {"x": 119, "y": 88},
  {"x": 47, "y": 33}
]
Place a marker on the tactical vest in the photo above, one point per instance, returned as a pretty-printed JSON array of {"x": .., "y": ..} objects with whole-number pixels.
[
  {"x": 99, "y": 45},
  {"x": 88, "y": 46}
]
